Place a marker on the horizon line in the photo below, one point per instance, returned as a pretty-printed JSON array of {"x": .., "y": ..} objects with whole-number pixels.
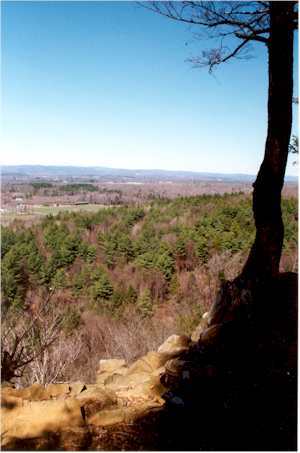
[{"x": 136, "y": 169}]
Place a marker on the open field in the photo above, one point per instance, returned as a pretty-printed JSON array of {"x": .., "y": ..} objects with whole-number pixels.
[
  {"x": 35, "y": 212},
  {"x": 34, "y": 199}
]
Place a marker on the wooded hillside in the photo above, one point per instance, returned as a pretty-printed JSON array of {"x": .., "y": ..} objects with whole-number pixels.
[{"x": 158, "y": 266}]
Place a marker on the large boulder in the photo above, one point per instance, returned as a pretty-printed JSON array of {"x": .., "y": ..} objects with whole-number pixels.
[
  {"x": 35, "y": 392},
  {"x": 38, "y": 392},
  {"x": 149, "y": 363},
  {"x": 175, "y": 345},
  {"x": 110, "y": 365},
  {"x": 108, "y": 368},
  {"x": 65, "y": 413},
  {"x": 119, "y": 382},
  {"x": 32, "y": 419}
]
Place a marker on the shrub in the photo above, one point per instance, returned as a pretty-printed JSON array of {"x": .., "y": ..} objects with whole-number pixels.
[
  {"x": 165, "y": 263},
  {"x": 131, "y": 296},
  {"x": 59, "y": 279},
  {"x": 180, "y": 248},
  {"x": 144, "y": 303},
  {"x": 71, "y": 320},
  {"x": 202, "y": 250}
]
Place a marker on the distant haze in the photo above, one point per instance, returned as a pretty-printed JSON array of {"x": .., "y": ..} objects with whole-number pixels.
[{"x": 51, "y": 171}]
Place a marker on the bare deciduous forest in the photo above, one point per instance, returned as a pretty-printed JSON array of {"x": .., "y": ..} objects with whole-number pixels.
[{"x": 157, "y": 265}]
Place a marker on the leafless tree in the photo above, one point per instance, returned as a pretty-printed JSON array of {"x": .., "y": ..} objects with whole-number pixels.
[
  {"x": 236, "y": 25},
  {"x": 53, "y": 363},
  {"x": 34, "y": 346},
  {"x": 26, "y": 336}
]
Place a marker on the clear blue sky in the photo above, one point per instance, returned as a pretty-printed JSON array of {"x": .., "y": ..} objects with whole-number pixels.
[{"x": 106, "y": 84}]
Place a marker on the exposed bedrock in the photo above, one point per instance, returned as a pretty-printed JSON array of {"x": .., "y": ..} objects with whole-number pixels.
[{"x": 231, "y": 386}]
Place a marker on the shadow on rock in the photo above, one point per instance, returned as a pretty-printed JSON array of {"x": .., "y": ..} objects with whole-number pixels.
[{"x": 234, "y": 389}]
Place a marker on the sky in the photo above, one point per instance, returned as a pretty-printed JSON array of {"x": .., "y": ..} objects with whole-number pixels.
[{"x": 107, "y": 84}]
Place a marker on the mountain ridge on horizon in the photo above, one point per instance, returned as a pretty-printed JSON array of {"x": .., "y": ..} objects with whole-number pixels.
[{"x": 37, "y": 170}]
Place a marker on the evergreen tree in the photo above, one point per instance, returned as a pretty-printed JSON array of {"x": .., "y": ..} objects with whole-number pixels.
[
  {"x": 102, "y": 288},
  {"x": 144, "y": 303}
]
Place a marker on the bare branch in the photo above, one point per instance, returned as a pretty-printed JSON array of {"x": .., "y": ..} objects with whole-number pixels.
[
  {"x": 253, "y": 37},
  {"x": 214, "y": 57},
  {"x": 25, "y": 338},
  {"x": 245, "y": 21}
]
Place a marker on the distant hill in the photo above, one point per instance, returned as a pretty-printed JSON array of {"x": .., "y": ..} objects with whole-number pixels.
[{"x": 106, "y": 173}]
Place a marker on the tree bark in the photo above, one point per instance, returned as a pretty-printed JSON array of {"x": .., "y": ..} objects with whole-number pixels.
[{"x": 264, "y": 258}]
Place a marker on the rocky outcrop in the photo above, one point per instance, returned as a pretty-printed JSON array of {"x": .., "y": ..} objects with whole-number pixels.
[
  {"x": 233, "y": 386},
  {"x": 68, "y": 416}
]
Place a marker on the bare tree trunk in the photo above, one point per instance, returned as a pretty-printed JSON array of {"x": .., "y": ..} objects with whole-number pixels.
[
  {"x": 264, "y": 258},
  {"x": 263, "y": 262}
]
